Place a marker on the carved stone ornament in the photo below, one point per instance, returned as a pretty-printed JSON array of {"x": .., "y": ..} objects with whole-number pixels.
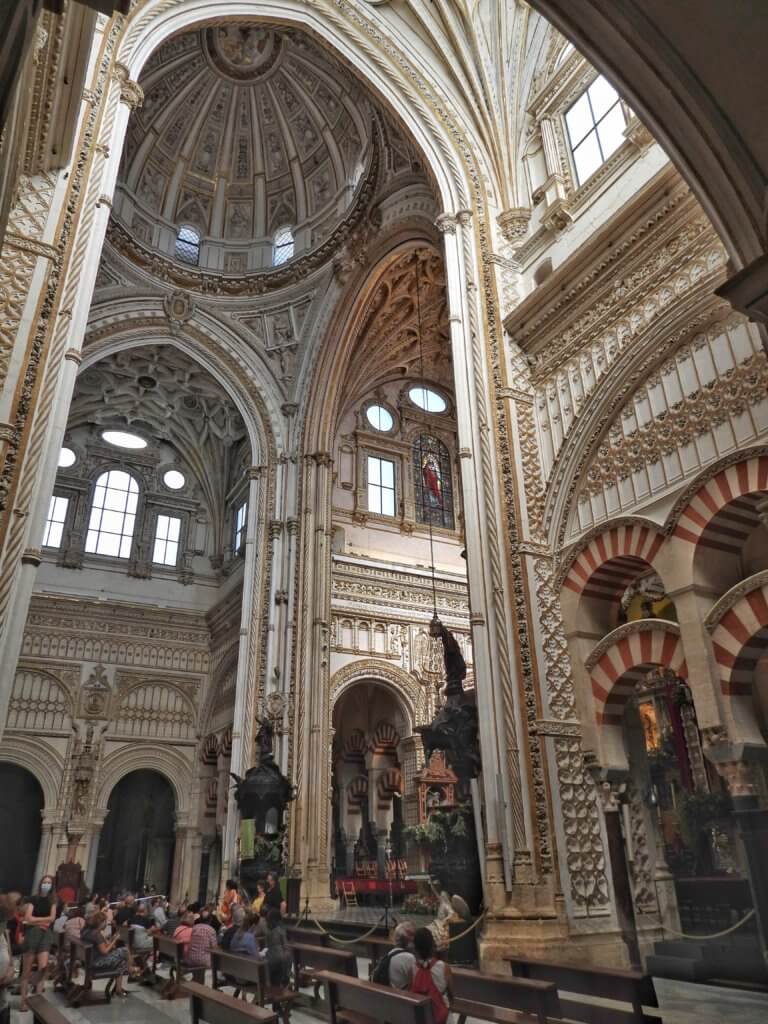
[
  {"x": 131, "y": 92},
  {"x": 514, "y": 223},
  {"x": 738, "y": 777},
  {"x": 179, "y": 307},
  {"x": 95, "y": 694}
]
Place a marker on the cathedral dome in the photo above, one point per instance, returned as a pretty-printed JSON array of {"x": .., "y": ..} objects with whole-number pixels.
[{"x": 247, "y": 134}]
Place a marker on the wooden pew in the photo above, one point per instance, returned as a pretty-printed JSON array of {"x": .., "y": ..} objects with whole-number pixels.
[
  {"x": 496, "y": 997},
  {"x": 172, "y": 951},
  {"x": 352, "y": 1001},
  {"x": 44, "y": 1012},
  {"x": 83, "y": 953},
  {"x": 138, "y": 958},
  {"x": 212, "y": 1007},
  {"x": 308, "y": 960},
  {"x": 307, "y": 936},
  {"x": 246, "y": 975},
  {"x": 627, "y": 987}
]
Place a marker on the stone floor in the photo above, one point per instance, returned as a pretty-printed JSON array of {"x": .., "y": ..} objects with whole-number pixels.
[{"x": 680, "y": 1003}]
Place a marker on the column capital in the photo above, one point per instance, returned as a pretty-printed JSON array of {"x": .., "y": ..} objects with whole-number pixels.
[{"x": 131, "y": 92}]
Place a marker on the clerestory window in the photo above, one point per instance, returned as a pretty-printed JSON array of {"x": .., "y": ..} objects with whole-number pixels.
[
  {"x": 595, "y": 124},
  {"x": 113, "y": 515}
]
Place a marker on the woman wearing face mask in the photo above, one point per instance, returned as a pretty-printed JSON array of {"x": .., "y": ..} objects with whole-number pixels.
[
  {"x": 7, "y": 972},
  {"x": 39, "y": 916}
]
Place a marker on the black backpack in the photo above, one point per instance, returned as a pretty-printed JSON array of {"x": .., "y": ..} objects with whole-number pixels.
[{"x": 380, "y": 975}]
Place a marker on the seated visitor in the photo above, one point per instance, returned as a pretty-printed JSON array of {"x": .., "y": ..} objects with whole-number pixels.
[
  {"x": 175, "y": 915},
  {"x": 432, "y": 977},
  {"x": 238, "y": 916},
  {"x": 38, "y": 918},
  {"x": 74, "y": 925},
  {"x": 278, "y": 956},
  {"x": 183, "y": 932},
  {"x": 159, "y": 915},
  {"x": 106, "y": 955},
  {"x": 202, "y": 941},
  {"x": 7, "y": 967},
  {"x": 141, "y": 929},
  {"x": 396, "y": 968},
  {"x": 60, "y": 923},
  {"x": 125, "y": 912},
  {"x": 243, "y": 942}
]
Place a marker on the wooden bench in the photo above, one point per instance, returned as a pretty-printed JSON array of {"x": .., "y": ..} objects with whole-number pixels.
[
  {"x": 375, "y": 946},
  {"x": 44, "y": 1012},
  {"x": 308, "y": 960},
  {"x": 137, "y": 957},
  {"x": 246, "y": 974},
  {"x": 83, "y": 954},
  {"x": 496, "y": 997},
  {"x": 172, "y": 951},
  {"x": 307, "y": 936},
  {"x": 627, "y": 987},
  {"x": 352, "y": 1001},
  {"x": 212, "y": 1007}
]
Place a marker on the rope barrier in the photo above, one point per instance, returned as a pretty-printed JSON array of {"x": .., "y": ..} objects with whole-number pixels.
[
  {"x": 715, "y": 935},
  {"x": 346, "y": 942},
  {"x": 466, "y": 931}
]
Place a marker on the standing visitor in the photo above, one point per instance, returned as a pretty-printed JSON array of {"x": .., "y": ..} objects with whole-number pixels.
[
  {"x": 229, "y": 900},
  {"x": 39, "y": 915},
  {"x": 7, "y": 971},
  {"x": 261, "y": 895}
]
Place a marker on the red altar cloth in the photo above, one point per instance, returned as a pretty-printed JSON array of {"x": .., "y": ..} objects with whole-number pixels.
[{"x": 376, "y": 886}]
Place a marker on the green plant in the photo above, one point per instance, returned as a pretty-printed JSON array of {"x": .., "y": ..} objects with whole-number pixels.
[
  {"x": 269, "y": 849},
  {"x": 441, "y": 828}
]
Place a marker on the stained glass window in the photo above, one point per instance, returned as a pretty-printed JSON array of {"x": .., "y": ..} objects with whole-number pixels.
[{"x": 433, "y": 484}]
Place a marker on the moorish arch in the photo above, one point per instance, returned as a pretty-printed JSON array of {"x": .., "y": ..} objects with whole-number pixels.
[
  {"x": 38, "y": 758},
  {"x": 411, "y": 697},
  {"x": 615, "y": 667},
  {"x": 164, "y": 760}
]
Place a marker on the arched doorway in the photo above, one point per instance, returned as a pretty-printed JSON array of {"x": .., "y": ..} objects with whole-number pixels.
[
  {"x": 137, "y": 842},
  {"x": 369, "y": 725},
  {"x": 21, "y": 806}
]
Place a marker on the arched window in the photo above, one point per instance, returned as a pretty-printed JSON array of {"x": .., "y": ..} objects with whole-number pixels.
[
  {"x": 432, "y": 482},
  {"x": 596, "y": 123},
  {"x": 282, "y": 246},
  {"x": 188, "y": 245},
  {"x": 113, "y": 515}
]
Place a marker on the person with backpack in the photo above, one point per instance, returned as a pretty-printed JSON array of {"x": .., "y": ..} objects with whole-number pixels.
[
  {"x": 432, "y": 977},
  {"x": 396, "y": 967}
]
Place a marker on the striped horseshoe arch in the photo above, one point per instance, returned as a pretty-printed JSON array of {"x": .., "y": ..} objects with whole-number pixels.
[
  {"x": 723, "y": 512},
  {"x": 625, "y": 656},
  {"x": 740, "y": 639},
  {"x": 611, "y": 560}
]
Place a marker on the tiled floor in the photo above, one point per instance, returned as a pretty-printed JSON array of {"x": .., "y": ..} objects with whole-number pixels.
[{"x": 680, "y": 1003}]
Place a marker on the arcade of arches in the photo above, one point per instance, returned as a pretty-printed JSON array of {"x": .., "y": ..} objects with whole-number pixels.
[{"x": 314, "y": 320}]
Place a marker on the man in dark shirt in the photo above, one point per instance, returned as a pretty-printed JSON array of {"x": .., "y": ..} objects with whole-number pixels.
[
  {"x": 273, "y": 900},
  {"x": 126, "y": 913}
]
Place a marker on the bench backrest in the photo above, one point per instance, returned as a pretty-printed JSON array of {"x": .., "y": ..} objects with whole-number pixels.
[
  {"x": 538, "y": 997},
  {"x": 218, "y": 1008},
  {"x": 44, "y": 1012},
  {"x": 307, "y": 936},
  {"x": 375, "y": 1001},
  {"x": 318, "y": 958},
  {"x": 170, "y": 948},
  {"x": 631, "y": 987},
  {"x": 82, "y": 951},
  {"x": 243, "y": 968}
]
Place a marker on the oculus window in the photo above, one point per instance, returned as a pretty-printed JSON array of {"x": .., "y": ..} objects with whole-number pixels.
[
  {"x": 174, "y": 479},
  {"x": 121, "y": 439},
  {"x": 54, "y": 524},
  {"x": 67, "y": 458},
  {"x": 113, "y": 515},
  {"x": 432, "y": 482},
  {"x": 241, "y": 520},
  {"x": 188, "y": 245},
  {"x": 166, "y": 550},
  {"x": 381, "y": 486},
  {"x": 379, "y": 417},
  {"x": 596, "y": 124},
  {"x": 427, "y": 399},
  {"x": 282, "y": 246}
]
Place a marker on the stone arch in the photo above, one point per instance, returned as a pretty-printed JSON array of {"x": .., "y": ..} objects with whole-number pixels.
[
  {"x": 615, "y": 667},
  {"x": 713, "y": 491},
  {"x": 164, "y": 760},
  {"x": 157, "y": 709},
  {"x": 631, "y": 540},
  {"x": 409, "y": 695},
  {"x": 40, "y": 701},
  {"x": 38, "y": 758}
]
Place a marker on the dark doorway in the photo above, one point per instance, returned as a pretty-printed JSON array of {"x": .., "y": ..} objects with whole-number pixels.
[
  {"x": 21, "y": 805},
  {"x": 137, "y": 841}
]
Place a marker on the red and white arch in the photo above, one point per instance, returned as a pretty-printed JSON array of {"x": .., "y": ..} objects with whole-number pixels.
[
  {"x": 723, "y": 511},
  {"x": 608, "y": 563}
]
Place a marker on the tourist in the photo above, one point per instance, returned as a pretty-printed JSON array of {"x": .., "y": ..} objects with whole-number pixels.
[
  {"x": 238, "y": 916},
  {"x": 141, "y": 928},
  {"x": 126, "y": 910},
  {"x": 61, "y": 921},
  {"x": 159, "y": 915},
  {"x": 258, "y": 900},
  {"x": 202, "y": 941},
  {"x": 396, "y": 968},
  {"x": 183, "y": 932},
  {"x": 7, "y": 969},
  {"x": 74, "y": 926},
  {"x": 278, "y": 956},
  {"x": 243, "y": 942},
  {"x": 273, "y": 899},
  {"x": 208, "y": 916},
  {"x": 39, "y": 915},
  {"x": 230, "y": 899},
  {"x": 106, "y": 957},
  {"x": 432, "y": 977}
]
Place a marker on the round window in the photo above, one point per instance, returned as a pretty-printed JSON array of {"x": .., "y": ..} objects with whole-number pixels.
[
  {"x": 174, "y": 479},
  {"x": 121, "y": 439},
  {"x": 427, "y": 399},
  {"x": 379, "y": 417},
  {"x": 67, "y": 458}
]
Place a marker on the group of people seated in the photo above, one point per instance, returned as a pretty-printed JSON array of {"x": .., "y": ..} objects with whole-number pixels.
[
  {"x": 30, "y": 926},
  {"x": 413, "y": 965}
]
